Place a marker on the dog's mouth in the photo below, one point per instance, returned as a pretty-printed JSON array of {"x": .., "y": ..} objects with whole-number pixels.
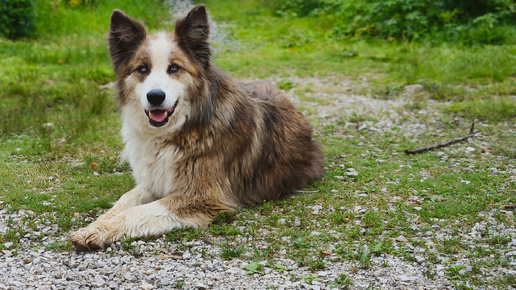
[{"x": 158, "y": 118}]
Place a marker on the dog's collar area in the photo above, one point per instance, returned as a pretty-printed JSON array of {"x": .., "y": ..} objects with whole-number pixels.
[{"x": 159, "y": 118}]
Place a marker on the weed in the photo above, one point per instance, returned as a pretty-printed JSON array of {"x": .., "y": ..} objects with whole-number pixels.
[
  {"x": 309, "y": 279},
  {"x": 180, "y": 283},
  {"x": 343, "y": 279},
  {"x": 230, "y": 251},
  {"x": 301, "y": 243},
  {"x": 453, "y": 271},
  {"x": 286, "y": 85},
  {"x": 254, "y": 268}
]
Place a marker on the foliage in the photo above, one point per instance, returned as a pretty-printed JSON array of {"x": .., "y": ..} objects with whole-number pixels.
[
  {"x": 17, "y": 18},
  {"x": 478, "y": 21}
]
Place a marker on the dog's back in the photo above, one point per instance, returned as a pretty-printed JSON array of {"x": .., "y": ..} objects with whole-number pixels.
[{"x": 285, "y": 157}]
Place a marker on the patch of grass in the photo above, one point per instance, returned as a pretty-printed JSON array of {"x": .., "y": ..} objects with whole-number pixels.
[
  {"x": 493, "y": 109},
  {"x": 230, "y": 251}
]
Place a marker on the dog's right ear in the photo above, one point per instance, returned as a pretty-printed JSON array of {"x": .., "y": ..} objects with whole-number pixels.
[{"x": 125, "y": 36}]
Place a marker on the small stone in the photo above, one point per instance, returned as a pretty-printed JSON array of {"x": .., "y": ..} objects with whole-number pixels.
[
  {"x": 297, "y": 222},
  {"x": 401, "y": 239},
  {"x": 405, "y": 278},
  {"x": 316, "y": 209},
  {"x": 186, "y": 255},
  {"x": 352, "y": 173},
  {"x": 95, "y": 173},
  {"x": 99, "y": 281},
  {"x": 201, "y": 286},
  {"x": 8, "y": 245},
  {"x": 146, "y": 286},
  {"x": 165, "y": 282}
]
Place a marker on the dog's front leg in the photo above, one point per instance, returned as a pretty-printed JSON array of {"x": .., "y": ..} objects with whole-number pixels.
[
  {"x": 85, "y": 238},
  {"x": 135, "y": 197},
  {"x": 152, "y": 219}
]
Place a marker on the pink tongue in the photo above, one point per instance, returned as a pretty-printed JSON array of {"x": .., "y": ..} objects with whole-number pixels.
[{"x": 158, "y": 115}]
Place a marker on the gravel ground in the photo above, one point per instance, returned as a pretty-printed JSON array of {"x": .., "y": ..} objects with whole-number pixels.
[{"x": 161, "y": 264}]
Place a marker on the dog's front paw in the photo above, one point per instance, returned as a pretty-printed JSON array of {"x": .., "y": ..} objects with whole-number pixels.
[{"x": 91, "y": 238}]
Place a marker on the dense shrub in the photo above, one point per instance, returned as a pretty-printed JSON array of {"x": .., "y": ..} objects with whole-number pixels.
[
  {"x": 17, "y": 18},
  {"x": 471, "y": 21}
]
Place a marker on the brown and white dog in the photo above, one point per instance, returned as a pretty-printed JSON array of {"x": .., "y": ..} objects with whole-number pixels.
[{"x": 199, "y": 143}]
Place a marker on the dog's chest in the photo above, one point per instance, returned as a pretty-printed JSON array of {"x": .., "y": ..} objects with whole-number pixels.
[{"x": 153, "y": 163}]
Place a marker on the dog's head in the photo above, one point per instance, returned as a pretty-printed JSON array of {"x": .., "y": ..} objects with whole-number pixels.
[{"x": 157, "y": 73}]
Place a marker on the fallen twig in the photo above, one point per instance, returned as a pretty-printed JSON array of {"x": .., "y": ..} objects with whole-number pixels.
[{"x": 440, "y": 145}]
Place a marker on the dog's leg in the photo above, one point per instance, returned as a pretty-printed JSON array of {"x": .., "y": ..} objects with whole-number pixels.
[
  {"x": 135, "y": 197},
  {"x": 152, "y": 219}
]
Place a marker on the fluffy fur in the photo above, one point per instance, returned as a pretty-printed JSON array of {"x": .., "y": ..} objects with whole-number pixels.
[{"x": 198, "y": 142}]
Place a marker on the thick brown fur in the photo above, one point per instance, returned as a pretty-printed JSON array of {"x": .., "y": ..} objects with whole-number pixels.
[{"x": 238, "y": 143}]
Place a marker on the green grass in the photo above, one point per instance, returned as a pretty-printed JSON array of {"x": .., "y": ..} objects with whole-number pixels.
[{"x": 57, "y": 121}]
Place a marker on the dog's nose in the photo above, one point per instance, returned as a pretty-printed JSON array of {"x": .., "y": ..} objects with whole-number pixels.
[{"x": 156, "y": 97}]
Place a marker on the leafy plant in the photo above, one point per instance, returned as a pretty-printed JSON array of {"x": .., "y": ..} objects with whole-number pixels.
[
  {"x": 478, "y": 21},
  {"x": 343, "y": 279},
  {"x": 17, "y": 18},
  {"x": 254, "y": 268},
  {"x": 453, "y": 271},
  {"x": 310, "y": 278}
]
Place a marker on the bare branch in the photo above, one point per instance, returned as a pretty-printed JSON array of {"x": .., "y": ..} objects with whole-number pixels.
[{"x": 440, "y": 145}]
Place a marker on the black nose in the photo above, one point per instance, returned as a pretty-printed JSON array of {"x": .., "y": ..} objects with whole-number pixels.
[{"x": 156, "y": 97}]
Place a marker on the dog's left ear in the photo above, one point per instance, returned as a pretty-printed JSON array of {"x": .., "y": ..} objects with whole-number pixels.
[{"x": 192, "y": 34}]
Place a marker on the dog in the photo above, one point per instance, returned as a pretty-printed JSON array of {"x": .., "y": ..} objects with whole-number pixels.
[{"x": 198, "y": 142}]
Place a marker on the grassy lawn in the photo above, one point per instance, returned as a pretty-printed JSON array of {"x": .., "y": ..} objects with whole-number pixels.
[{"x": 60, "y": 142}]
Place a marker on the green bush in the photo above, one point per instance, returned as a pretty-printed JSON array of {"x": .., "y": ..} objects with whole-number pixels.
[
  {"x": 469, "y": 21},
  {"x": 17, "y": 18}
]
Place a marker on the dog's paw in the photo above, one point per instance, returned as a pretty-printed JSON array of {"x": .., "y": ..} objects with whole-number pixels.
[{"x": 91, "y": 238}]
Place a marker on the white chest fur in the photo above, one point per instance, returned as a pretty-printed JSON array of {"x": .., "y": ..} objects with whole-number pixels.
[{"x": 151, "y": 160}]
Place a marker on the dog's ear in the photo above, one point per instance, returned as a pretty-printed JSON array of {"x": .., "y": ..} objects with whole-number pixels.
[
  {"x": 125, "y": 36},
  {"x": 192, "y": 34}
]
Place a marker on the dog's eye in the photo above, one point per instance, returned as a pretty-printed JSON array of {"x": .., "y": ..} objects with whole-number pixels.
[
  {"x": 173, "y": 68},
  {"x": 142, "y": 69}
]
